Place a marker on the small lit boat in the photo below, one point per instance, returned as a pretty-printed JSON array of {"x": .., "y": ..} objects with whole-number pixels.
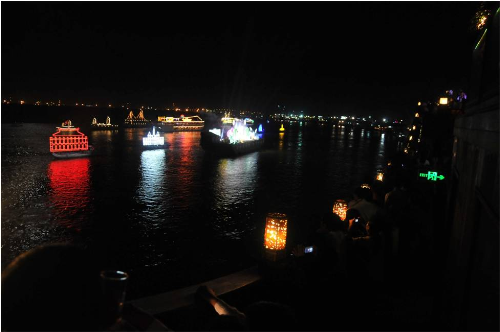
[
  {"x": 153, "y": 140},
  {"x": 103, "y": 126},
  {"x": 138, "y": 121},
  {"x": 69, "y": 142}
]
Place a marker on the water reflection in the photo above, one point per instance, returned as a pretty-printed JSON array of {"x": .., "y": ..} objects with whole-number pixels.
[
  {"x": 234, "y": 193},
  {"x": 381, "y": 150},
  {"x": 151, "y": 186},
  {"x": 236, "y": 179},
  {"x": 183, "y": 162},
  {"x": 69, "y": 194},
  {"x": 281, "y": 140}
]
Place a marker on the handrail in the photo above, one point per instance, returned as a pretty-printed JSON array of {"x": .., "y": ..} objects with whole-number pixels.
[{"x": 160, "y": 303}]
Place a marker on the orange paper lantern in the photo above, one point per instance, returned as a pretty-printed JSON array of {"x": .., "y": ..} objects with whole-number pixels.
[
  {"x": 275, "y": 234},
  {"x": 340, "y": 208}
]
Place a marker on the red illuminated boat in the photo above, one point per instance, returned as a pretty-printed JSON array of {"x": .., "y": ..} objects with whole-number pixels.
[{"x": 69, "y": 142}]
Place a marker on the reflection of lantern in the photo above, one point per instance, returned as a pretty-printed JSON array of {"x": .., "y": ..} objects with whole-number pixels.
[
  {"x": 275, "y": 235},
  {"x": 380, "y": 176},
  {"x": 340, "y": 208}
]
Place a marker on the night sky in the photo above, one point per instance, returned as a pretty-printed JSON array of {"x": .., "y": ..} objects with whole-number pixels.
[{"x": 321, "y": 58}]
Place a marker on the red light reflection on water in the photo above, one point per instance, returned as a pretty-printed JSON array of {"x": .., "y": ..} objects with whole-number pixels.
[{"x": 70, "y": 190}]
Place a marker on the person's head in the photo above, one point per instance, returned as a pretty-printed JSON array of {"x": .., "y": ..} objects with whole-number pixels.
[
  {"x": 52, "y": 287},
  {"x": 376, "y": 225},
  {"x": 270, "y": 316},
  {"x": 363, "y": 193},
  {"x": 332, "y": 222}
]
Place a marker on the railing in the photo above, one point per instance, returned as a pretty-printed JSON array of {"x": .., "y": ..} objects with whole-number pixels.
[{"x": 184, "y": 297}]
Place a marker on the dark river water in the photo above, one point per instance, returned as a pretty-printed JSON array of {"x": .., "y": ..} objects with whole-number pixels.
[{"x": 176, "y": 216}]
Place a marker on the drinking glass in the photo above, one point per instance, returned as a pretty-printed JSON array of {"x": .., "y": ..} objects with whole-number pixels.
[{"x": 114, "y": 285}]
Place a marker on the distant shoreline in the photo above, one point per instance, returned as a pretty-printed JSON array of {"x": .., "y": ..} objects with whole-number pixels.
[{"x": 80, "y": 115}]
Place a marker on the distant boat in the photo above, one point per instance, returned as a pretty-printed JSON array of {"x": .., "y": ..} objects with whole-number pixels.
[
  {"x": 184, "y": 123},
  {"x": 227, "y": 120},
  {"x": 138, "y": 121},
  {"x": 69, "y": 142},
  {"x": 103, "y": 126},
  {"x": 237, "y": 140}
]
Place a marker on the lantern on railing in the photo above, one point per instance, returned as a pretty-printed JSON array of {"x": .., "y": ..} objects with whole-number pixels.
[
  {"x": 380, "y": 176},
  {"x": 340, "y": 208},
  {"x": 275, "y": 235}
]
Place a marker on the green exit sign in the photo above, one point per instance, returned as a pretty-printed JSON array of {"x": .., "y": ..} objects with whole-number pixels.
[{"x": 432, "y": 176}]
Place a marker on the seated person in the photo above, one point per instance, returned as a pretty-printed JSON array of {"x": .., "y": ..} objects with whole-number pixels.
[{"x": 52, "y": 287}]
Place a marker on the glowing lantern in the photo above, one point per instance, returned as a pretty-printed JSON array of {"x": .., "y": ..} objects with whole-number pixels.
[
  {"x": 380, "y": 176},
  {"x": 366, "y": 185},
  {"x": 275, "y": 234},
  {"x": 443, "y": 101},
  {"x": 340, "y": 208},
  {"x": 282, "y": 129}
]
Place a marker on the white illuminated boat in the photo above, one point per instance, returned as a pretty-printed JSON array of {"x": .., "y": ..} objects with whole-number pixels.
[
  {"x": 153, "y": 140},
  {"x": 69, "y": 142}
]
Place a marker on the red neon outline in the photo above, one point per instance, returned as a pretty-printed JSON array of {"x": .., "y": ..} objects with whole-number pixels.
[{"x": 59, "y": 142}]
